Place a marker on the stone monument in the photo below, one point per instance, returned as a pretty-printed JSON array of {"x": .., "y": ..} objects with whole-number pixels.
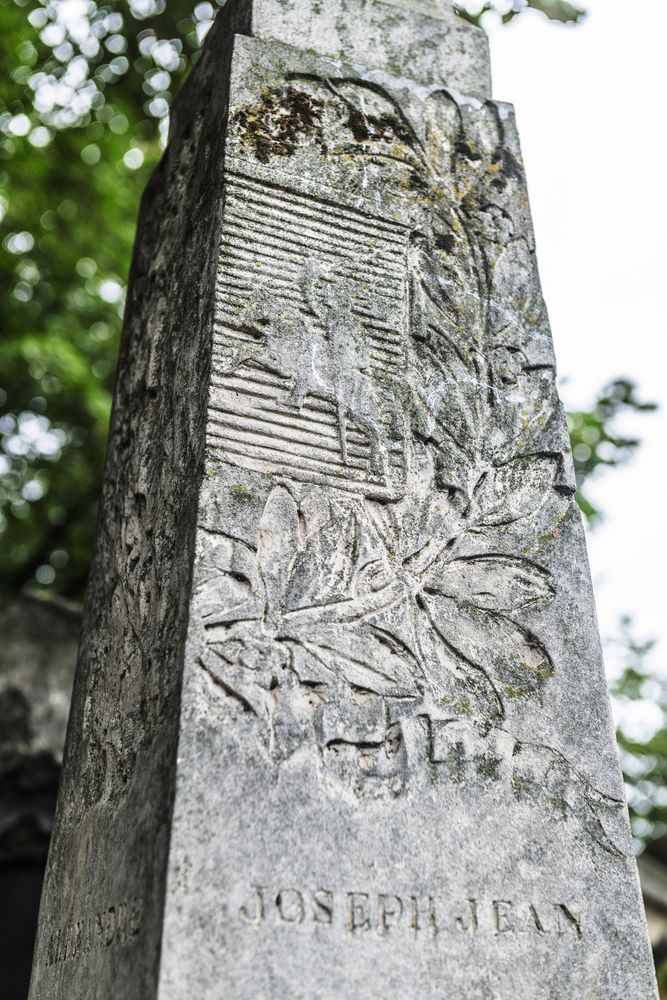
[{"x": 340, "y": 725}]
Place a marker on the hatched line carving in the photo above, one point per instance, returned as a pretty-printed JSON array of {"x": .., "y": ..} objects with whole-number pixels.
[{"x": 309, "y": 341}]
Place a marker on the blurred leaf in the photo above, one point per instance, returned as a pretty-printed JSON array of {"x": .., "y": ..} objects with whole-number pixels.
[
  {"x": 596, "y": 444},
  {"x": 640, "y": 693},
  {"x": 555, "y": 10},
  {"x": 558, "y": 10}
]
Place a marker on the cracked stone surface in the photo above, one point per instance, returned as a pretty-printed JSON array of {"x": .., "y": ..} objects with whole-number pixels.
[{"x": 340, "y": 725}]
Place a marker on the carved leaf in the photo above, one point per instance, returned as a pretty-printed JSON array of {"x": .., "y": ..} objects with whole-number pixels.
[
  {"x": 364, "y": 658},
  {"x": 237, "y": 683},
  {"x": 277, "y": 547},
  {"x": 515, "y": 490},
  {"x": 491, "y": 582},
  {"x": 533, "y": 772},
  {"x": 230, "y": 586},
  {"x": 323, "y": 569},
  {"x": 452, "y": 301},
  {"x": 444, "y": 404},
  {"x": 377, "y": 124},
  {"x": 309, "y": 668},
  {"x": 342, "y": 612},
  {"x": 449, "y": 384},
  {"x": 455, "y": 681},
  {"x": 513, "y": 659},
  {"x": 544, "y": 775},
  {"x": 539, "y": 410}
]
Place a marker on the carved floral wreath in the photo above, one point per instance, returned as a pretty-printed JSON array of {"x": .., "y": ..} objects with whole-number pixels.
[{"x": 345, "y": 600}]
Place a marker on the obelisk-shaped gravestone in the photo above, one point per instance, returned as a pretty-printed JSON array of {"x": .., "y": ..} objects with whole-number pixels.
[{"x": 340, "y": 727}]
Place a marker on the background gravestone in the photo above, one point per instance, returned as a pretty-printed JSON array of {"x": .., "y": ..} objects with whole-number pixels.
[
  {"x": 340, "y": 724},
  {"x": 37, "y": 657}
]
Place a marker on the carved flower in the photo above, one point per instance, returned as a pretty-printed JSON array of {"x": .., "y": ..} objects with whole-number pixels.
[
  {"x": 289, "y": 614},
  {"x": 322, "y": 603},
  {"x": 355, "y": 614},
  {"x": 461, "y": 609}
]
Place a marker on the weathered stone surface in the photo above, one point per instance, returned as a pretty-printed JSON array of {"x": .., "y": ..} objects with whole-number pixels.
[
  {"x": 420, "y": 39},
  {"x": 340, "y": 725}
]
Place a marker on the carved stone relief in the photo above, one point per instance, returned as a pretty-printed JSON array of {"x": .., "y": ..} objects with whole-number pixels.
[
  {"x": 309, "y": 340},
  {"x": 396, "y": 379}
]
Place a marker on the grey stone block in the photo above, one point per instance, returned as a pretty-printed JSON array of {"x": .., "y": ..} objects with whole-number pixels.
[{"x": 420, "y": 39}]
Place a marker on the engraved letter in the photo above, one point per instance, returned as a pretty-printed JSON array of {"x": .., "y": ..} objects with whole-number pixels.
[
  {"x": 110, "y": 923},
  {"x": 390, "y": 910},
  {"x": 536, "y": 920},
  {"x": 78, "y": 935},
  {"x": 290, "y": 906},
  {"x": 52, "y": 949},
  {"x": 571, "y": 920},
  {"x": 88, "y": 940},
  {"x": 135, "y": 917},
  {"x": 501, "y": 914},
  {"x": 323, "y": 906},
  {"x": 121, "y": 924},
  {"x": 255, "y": 918},
  {"x": 99, "y": 930},
  {"x": 424, "y": 909},
  {"x": 471, "y": 926},
  {"x": 358, "y": 918}
]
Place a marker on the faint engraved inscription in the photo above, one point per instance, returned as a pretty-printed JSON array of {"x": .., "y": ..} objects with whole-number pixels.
[
  {"x": 358, "y": 912},
  {"x": 114, "y": 927}
]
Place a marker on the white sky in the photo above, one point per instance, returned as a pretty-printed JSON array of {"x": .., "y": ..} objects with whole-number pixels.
[{"x": 590, "y": 102}]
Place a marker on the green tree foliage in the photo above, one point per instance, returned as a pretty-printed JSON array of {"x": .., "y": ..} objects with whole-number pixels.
[
  {"x": 84, "y": 98},
  {"x": 640, "y": 698},
  {"x": 596, "y": 444},
  {"x": 507, "y": 10}
]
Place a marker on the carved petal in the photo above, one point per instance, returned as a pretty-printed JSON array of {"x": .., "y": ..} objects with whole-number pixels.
[
  {"x": 513, "y": 659},
  {"x": 277, "y": 547},
  {"x": 534, "y": 772},
  {"x": 323, "y": 570},
  {"x": 491, "y": 582},
  {"x": 364, "y": 659},
  {"x": 229, "y": 584},
  {"x": 515, "y": 490},
  {"x": 544, "y": 775},
  {"x": 237, "y": 683},
  {"x": 341, "y": 612},
  {"x": 377, "y": 122}
]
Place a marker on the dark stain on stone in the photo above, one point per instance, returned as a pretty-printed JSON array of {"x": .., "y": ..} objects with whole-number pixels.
[
  {"x": 509, "y": 169},
  {"x": 274, "y": 126},
  {"x": 446, "y": 242},
  {"x": 377, "y": 128},
  {"x": 465, "y": 150}
]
